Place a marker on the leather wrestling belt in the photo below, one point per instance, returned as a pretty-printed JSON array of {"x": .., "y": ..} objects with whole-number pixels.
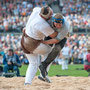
[{"x": 29, "y": 44}]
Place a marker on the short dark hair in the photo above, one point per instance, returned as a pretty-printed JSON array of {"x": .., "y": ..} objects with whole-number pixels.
[
  {"x": 11, "y": 50},
  {"x": 45, "y": 11}
]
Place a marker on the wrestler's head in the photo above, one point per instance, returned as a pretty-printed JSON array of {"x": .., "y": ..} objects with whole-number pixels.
[
  {"x": 58, "y": 20},
  {"x": 46, "y": 12}
]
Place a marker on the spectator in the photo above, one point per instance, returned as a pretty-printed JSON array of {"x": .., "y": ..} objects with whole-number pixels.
[
  {"x": 11, "y": 62},
  {"x": 77, "y": 13},
  {"x": 65, "y": 57},
  {"x": 87, "y": 61}
]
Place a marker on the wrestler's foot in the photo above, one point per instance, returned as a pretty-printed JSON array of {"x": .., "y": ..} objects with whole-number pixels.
[
  {"x": 41, "y": 78},
  {"x": 44, "y": 79},
  {"x": 43, "y": 70}
]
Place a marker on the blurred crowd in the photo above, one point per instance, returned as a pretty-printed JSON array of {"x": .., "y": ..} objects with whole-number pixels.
[
  {"x": 77, "y": 13},
  {"x": 76, "y": 43},
  {"x": 12, "y": 41},
  {"x": 15, "y": 13}
]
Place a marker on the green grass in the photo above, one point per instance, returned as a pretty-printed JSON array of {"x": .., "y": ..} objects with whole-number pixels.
[{"x": 56, "y": 70}]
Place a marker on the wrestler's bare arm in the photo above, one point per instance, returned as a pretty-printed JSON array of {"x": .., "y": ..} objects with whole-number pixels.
[
  {"x": 54, "y": 40},
  {"x": 51, "y": 41},
  {"x": 53, "y": 35}
]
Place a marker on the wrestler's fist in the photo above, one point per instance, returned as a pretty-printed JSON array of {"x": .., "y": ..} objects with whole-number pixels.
[{"x": 54, "y": 35}]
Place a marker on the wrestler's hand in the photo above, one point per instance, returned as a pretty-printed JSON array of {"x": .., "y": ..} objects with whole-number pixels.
[
  {"x": 53, "y": 35},
  {"x": 51, "y": 41},
  {"x": 68, "y": 35}
]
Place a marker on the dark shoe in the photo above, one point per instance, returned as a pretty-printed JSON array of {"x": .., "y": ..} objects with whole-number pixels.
[
  {"x": 45, "y": 79},
  {"x": 41, "y": 78},
  {"x": 43, "y": 70}
]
